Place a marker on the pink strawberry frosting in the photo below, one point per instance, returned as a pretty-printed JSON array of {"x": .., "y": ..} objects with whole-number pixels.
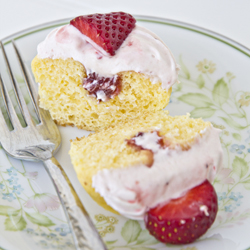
[
  {"x": 142, "y": 51},
  {"x": 133, "y": 190}
]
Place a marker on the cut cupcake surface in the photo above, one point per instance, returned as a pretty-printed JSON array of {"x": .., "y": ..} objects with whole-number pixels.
[
  {"x": 138, "y": 164},
  {"x": 61, "y": 93},
  {"x": 72, "y": 73}
]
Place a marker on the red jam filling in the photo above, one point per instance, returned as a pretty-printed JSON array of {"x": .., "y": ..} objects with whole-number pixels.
[
  {"x": 133, "y": 144},
  {"x": 102, "y": 88}
]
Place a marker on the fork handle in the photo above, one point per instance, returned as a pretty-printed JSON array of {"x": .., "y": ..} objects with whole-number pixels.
[{"x": 85, "y": 234}]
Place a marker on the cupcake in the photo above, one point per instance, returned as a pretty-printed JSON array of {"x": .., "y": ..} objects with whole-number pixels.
[
  {"x": 125, "y": 167},
  {"x": 103, "y": 69},
  {"x": 157, "y": 168}
]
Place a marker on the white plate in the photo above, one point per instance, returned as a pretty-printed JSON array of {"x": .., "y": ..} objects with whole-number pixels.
[{"x": 214, "y": 84}]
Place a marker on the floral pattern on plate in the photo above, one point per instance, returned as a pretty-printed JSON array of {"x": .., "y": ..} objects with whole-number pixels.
[
  {"x": 24, "y": 207},
  {"x": 30, "y": 210}
]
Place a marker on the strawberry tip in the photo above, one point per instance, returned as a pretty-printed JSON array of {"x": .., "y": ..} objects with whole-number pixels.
[{"x": 95, "y": 26}]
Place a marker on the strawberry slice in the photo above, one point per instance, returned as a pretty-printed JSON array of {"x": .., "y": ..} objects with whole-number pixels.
[
  {"x": 107, "y": 30},
  {"x": 185, "y": 219}
]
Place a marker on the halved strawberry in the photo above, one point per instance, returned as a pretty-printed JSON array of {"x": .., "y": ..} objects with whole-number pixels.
[
  {"x": 107, "y": 30},
  {"x": 185, "y": 219}
]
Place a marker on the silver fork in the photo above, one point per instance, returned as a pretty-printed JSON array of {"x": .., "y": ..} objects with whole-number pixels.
[{"x": 39, "y": 142}]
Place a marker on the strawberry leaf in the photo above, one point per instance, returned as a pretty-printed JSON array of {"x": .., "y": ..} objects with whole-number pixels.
[
  {"x": 200, "y": 81},
  {"x": 39, "y": 219},
  {"x": 240, "y": 166},
  {"x": 15, "y": 223},
  {"x": 196, "y": 99},
  {"x": 184, "y": 69},
  {"x": 220, "y": 92},
  {"x": 239, "y": 115},
  {"x": 232, "y": 123},
  {"x": 205, "y": 112},
  {"x": 131, "y": 231},
  {"x": 8, "y": 210},
  {"x": 110, "y": 242},
  {"x": 146, "y": 239},
  {"x": 246, "y": 184},
  {"x": 237, "y": 136}
]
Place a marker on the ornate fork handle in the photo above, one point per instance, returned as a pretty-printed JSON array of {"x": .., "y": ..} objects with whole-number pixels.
[
  {"x": 32, "y": 141},
  {"x": 85, "y": 233}
]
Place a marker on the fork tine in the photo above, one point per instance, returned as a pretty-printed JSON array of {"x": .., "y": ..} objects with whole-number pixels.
[
  {"x": 13, "y": 82},
  {"x": 4, "y": 96},
  {"x": 28, "y": 80},
  {"x": 26, "y": 114},
  {"x": 10, "y": 109},
  {"x": 3, "y": 125},
  {"x": 21, "y": 102}
]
